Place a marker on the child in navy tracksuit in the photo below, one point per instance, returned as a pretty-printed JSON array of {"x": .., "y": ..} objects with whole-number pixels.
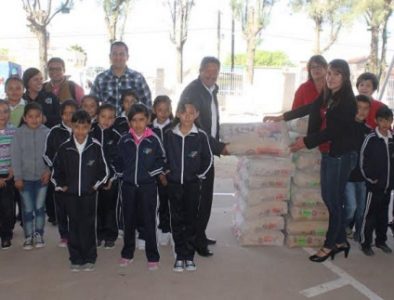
[
  {"x": 376, "y": 159},
  {"x": 161, "y": 122},
  {"x": 79, "y": 169},
  {"x": 56, "y": 137},
  {"x": 129, "y": 98},
  {"x": 103, "y": 131},
  {"x": 140, "y": 160},
  {"x": 189, "y": 158}
]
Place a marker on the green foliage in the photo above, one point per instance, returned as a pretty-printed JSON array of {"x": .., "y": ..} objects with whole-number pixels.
[{"x": 262, "y": 59}]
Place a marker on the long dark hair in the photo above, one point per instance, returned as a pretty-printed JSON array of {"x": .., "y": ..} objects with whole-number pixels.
[
  {"x": 162, "y": 99},
  {"x": 317, "y": 59},
  {"x": 345, "y": 93}
]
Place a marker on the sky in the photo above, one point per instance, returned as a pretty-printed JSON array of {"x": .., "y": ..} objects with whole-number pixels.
[{"x": 147, "y": 34}]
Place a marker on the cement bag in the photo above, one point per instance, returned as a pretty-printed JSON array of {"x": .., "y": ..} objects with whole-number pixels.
[
  {"x": 299, "y": 126},
  {"x": 314, "y": 241},
  {"x": 268, "y": 223},
  {"x": 256, "y": 138},
  {"x": 317, "y": 213},
  {"x": 262, "y": 238},
  {"x": 306, "y": 179},
  {"x": 306, "y": 197},
  {"x": 266, "y": 166},
  {"x": 268, "y": 182},
  {"x": 307, "y": 161},
  {"x": 306, "y": 227},
  {"x": 267, "y": 208},
  {"x": 256, "y": 196}
]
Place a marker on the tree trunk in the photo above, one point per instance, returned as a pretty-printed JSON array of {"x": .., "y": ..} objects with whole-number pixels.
[
  {"x": 179, "y": 63},
  {"x": 250, "y": 54},
  {"x": 374, "y": 49},
  {"x": 42, "y": 36},
  {"x": 317, "y": 37}
]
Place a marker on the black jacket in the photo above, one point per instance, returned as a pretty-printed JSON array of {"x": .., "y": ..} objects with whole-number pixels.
[
  {"x": 197, "y": 93},
  {"x": 50, "y": 107},
  {"x": 108, "y": 138},
  {"x": 57, "y": 136},
  {"x": 121, "y": 125},
  {"x": 340, "y": 118},
  {"x": 160, "y": 132},
  {"x": 362, "y": 130},
  {"x": 189, "y": 158},
  {"x": 139, "y": 163},
  {"x": 81, "y": 174},
  {"x": 376, "y": 159}
]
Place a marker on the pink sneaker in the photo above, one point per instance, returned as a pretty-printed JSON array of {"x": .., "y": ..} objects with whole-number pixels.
[
  {"x": 153, "y": 265},
  {"x": 124, "y": 262},
  {"x": 63, "y": 243}
]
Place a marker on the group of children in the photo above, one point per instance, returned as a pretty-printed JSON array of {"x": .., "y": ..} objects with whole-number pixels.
[{"x": 105, "y": 170}]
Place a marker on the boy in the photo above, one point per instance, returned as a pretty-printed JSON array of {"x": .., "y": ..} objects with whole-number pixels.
[
  {"x": 376, "y": 159},
  {"x": 57, "y": 136},
  {"x": 79, "y": 169},
  {"x": 14, "y": 90},
  {"x": 7, "y": 207},
  {"x": 367, "y": 83},
  {"x": 103, "y": 131},
  {"x": 129, "y": 98},
  {"x": 355, "y": 190}
]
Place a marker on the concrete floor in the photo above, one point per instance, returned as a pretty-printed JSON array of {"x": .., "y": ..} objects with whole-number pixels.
[{"x": 233, "y": 272}]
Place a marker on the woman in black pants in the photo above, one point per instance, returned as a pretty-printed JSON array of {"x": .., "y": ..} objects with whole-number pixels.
[{"x": 331, "y": 127}]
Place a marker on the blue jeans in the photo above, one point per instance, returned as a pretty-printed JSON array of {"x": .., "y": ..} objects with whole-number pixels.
[
  {"x": 33, "y": 207},
  {"x": 355, "y": 193},
  {"x": 334, "y": 174}
]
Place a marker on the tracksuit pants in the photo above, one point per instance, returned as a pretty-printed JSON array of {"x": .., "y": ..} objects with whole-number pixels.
[
  {"x": 7, "y": 210},
  {"x": 375, "y": 217},
  {"x": 82, "y": 244},
  {"x": 164, "y": 211},
  {"x": 107, "y": 229},
  {"x": 184, "y": 202},
  {"x": 50, "y": 203},
  {"x": 140, "y": 201},
  {"x": 61, "y": 214}
]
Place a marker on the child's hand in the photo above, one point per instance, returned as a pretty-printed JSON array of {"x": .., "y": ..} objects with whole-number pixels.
[
  {"x": 19, "y": 184},
  {"x": 45, "y": 177},
  {"x": 225, "y": 151},
  {"x": 163, "y": 179},
  {"x": 2, "y": 182},
  {"x": 108, "y": 186}
]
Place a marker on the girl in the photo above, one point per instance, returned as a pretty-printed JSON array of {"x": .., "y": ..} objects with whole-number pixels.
[
  {"x": 90, "y": 104},
  {"x": 7, "y": 207},
  {"x": 189, "y": 158},
  {"x": 14, "y": 92},
  {"x": 129, "y": 98},
  {"x": 332, "y": 127},
  {"x": 140, "y": 159},
  {"x": 33, "y": 82},
  {"x": 162, "y": 117},
  {"x": 30, "y": 173}
]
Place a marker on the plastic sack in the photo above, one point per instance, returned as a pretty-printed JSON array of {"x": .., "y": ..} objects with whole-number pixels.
[
  {"x": 265, "y": 166},
  {"x": 256, "y": 138},
  {"x": 267, "y": 208},
  {"x": 309, "y": 161},
  {"x": 256, "y": 196},
  {"x": 306, "y": 227},
  {"x": 306, "y": 197},
  {"x": 313, "y": 241},
  {"x": 317, "y": 213},
  {"x": 299, "y": 126},
  {"x": 262, "y": 238},
  {"x": 306, "y": 179},
  {"x": 267, "y": 223}
]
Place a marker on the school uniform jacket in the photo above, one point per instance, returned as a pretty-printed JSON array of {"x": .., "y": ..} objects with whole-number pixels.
[
  {"x": 108, "y": 138},
  {"x": 376, "y": 159},
  {"x": 57, "y": 136},
  {"x": 121, "y": 124},
  {"x": 140, "y": 163},
  {"x": 362, "y": 131},
  {"x": 189, "y": 157},
  {"x": 160, "y": 131},
  {"x": 81, "y": 173}
]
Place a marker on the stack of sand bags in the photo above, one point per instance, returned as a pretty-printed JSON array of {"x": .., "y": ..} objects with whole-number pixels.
[
  {"x": 262, "y": 180},
  {"x": 307, "y": 222}
]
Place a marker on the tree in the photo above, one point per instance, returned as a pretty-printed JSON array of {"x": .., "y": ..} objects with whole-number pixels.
[
  {"x": 180, "y": 11},
  {"x": 79, "y": 56},
  {"x": 263, "y": 59},
  {"x": 116, "y": 12},
  {"x": 376, "y": 14},
  {"x": 254, "y": 16},
  {"x": 39, "y": 15},
  {"x": 328, "y": 15}
]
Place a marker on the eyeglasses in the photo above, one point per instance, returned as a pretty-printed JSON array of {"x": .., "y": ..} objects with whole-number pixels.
[{"x": 55, "y": 69}]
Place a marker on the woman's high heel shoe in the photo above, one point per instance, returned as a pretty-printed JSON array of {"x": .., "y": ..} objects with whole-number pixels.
[
  {"x": 345, "y": 248},
  {"x": 322, "y": 258}
]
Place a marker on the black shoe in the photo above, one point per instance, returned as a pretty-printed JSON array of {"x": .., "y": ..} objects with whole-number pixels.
[
  {"x": 5, "y": 244},
  {"x": 384, "y": 247},
  {"x": 391, "y": 226},
  {"x": 367, "y": 250},
  {"x": 211, "y": 242},
  {"x": 109, "y": 244},
  {"x": 343, "y": 248},
  {"x": 318, "y": 258},
  {"x": 99, "y": 243},
  {"x": 204, "y": 252}
]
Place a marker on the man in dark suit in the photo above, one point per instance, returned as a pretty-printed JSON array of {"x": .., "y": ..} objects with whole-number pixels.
[{"x": 202, "y": 92}]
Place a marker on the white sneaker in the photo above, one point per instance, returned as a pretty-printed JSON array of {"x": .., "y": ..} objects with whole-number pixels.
[
  {"x": 89, "y": 267},
  {"x": 124, "y": 262},
  {"x": 120, "y": 234},
  {"x": 190, "y": 266},
  {"x": 165, "y": 238},
  {"x": 141, "y": 244},
  {"x": 28, "y": 244},
  {"x": 63, "y": 243},
  {"x": 38, "y": 241}
]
